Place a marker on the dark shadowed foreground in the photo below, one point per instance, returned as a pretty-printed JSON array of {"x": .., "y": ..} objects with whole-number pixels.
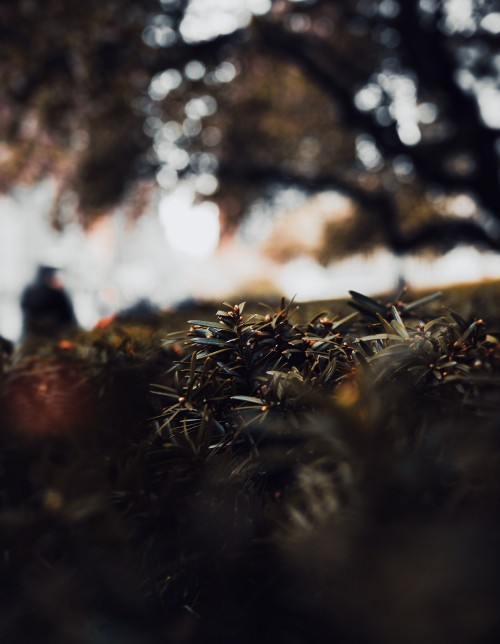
[{"x": 255, "y": 479}]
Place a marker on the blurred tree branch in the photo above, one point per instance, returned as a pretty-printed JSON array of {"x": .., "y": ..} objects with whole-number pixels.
[
  {"x": 77, "y": 86},
  {"x": 442, "y": 233}
]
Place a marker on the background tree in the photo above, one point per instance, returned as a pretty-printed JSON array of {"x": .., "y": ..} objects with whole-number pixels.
[{"x": 394, "y": 104}]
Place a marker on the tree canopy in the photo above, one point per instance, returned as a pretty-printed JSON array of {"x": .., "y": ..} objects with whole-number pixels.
[{"x": 394, "y": 104}]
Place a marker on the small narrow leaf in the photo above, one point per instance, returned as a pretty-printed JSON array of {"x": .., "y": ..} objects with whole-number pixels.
[
  {"x": 422, "y": 301},
  {"x": 208, "y": 341},
  {"x": 367, "y": 304},
  {"x": 466, "y": 333},
  {"x": 380, "y": 336},
  {"x": 461, "y": 323},
  {"x": 385, "y": 324},
  {"x": 400, "y": 329},
  {"x": 251, "y": 399},
  {"x": 345, "y": 319},
  {"x": 208, "y": 325}
]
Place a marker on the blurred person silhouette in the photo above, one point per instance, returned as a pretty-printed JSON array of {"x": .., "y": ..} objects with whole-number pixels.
[{"x": 46, "y": 307}]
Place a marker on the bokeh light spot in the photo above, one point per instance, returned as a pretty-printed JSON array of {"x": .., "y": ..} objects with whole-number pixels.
[{"x": 192, "y": 229}]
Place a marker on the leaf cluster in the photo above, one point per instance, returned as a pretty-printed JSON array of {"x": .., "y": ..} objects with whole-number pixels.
[
  {"x": 444, "y": 355},
  {"x": 236, "y": 371}
]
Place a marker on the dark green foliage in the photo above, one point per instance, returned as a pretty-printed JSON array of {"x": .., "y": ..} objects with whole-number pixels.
[
  {"x": 238, "y": 371},
  {"x": 261, "y": 365},
  {"x": 307, "y": 482}
]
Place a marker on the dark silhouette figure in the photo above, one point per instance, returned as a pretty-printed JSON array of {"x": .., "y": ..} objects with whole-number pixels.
[{"x": 47, "y": 308}]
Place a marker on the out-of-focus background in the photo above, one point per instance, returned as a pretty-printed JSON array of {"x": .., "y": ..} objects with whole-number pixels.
[{"x": 161, "y": 151}]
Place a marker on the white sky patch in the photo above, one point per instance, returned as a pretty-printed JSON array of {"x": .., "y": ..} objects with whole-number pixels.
[
  {"x": 163, "y": 83},
  {"x": 427, "y": 112},
  {"x": 192, "y": 229},
  {"x": 380, "y": 271},
  {"x": 368, "y": 153},
  {"x": 368, "y": 97},
  {"x": 194, "y": 70},
  {"x": 159, "y": 33},
  {"x": 491, "y": 23},
  {"x": 459, "y": 15},
  {"x": 200, "y": 107},
  {"x": 463, "y": 264},
  {"x": 488, "y": 96},
  {"x": 307, "y": 280},
  {"x": 207, "y": 19},
  {"x": 225, "y": 72},
  {"x": 206, "y": 184},
  {"x": 404, "y": 109},
  {"x": 401, "y": 89},
  {"x": 461, "y": 205}
]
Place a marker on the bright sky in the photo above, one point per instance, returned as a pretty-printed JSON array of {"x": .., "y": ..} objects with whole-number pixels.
[
  {"x": 206, "y": 19},
  {"x": 173, "y": 253}
]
